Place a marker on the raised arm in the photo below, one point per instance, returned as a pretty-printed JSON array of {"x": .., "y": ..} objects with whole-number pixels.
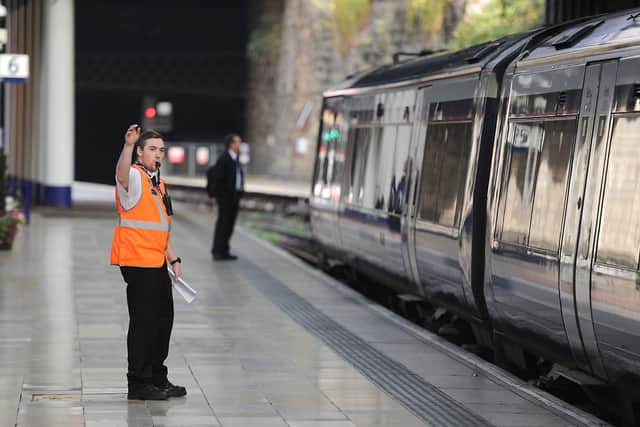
[{"x": 124, "y": 161}]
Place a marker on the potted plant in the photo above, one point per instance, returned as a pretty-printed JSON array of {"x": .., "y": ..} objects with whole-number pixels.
[
  {"x": 8, "y": 229},
  {"x": 8, "y": 220},
  {"x": 3, "y": 173}
]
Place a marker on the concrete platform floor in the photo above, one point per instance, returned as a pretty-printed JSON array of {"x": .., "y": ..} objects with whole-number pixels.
[{"x": 268, "y": 342}]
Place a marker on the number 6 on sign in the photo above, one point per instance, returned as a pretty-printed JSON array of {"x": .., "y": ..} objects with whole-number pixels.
[{"x": 14, "y": 67}]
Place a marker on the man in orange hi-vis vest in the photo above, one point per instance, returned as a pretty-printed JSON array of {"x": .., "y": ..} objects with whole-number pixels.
[{"x": 142, "y": 248}]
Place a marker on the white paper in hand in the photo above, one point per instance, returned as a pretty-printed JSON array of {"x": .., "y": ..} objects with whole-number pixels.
[{"x": 183, "y": 288}]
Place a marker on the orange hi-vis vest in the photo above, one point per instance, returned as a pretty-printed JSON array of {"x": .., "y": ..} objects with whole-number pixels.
[{"x": 142, "y": 233}]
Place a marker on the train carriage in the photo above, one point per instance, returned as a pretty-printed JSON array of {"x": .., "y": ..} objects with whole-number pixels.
[
  {"x": 396, "y": 175},
  {"x": 564, "y": 234},
  {"x": 502, "y": 183}
]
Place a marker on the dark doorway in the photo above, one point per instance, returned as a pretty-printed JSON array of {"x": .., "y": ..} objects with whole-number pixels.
[{"x": 190, "y": 53}]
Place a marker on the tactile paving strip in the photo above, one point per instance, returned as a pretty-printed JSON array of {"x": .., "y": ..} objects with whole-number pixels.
[{"x": 422, "y": 398}]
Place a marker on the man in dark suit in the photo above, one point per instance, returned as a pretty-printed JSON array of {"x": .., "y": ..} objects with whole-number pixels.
[{"x": 225, "y": 182}]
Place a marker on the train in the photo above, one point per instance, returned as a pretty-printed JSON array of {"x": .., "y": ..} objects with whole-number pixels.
[{"x": 502, "y": 183}]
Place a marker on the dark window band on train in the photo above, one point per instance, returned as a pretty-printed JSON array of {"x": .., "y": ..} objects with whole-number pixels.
[
  {"x": 627, "y": 98},
  {"x": 566, "y": 102},
  {"x": 461, "y": 109}
]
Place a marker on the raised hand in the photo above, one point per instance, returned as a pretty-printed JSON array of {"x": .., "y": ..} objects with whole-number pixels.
[{"x": 132, "y": 135}]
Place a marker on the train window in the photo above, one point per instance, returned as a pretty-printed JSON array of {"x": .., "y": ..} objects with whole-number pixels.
[
  {"x": 329, "y": 137},
  {"x": 551, "y": 184},
  {"x": 400, "y": 171},
  {"x": 378, "y": 168},
  {"x": 358, "y": 163},
  {"x": 536, "y": 181},
  {"x": 619, "y": 238},
  {"x": 522, "y": 146},
  {"x": 444, "y": 172},
  {"x": 338, "y": 168}
]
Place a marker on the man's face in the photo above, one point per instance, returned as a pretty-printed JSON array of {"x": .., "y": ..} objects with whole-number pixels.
[
  {"x": 152, "y": 152},
  {"x": 235, "y": 144}
]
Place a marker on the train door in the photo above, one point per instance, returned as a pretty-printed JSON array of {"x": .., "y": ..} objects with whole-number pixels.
[
  {"x": 577, "y": 247},
  {"x": 416, "y": 152},
  {"x": 535, "y": 155},
  {"x": 442, "y": 151},
  {"x": 607, "y": 271}
]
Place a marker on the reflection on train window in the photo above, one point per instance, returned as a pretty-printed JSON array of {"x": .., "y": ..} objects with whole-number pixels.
[
  {"x": 338, "y": 168},
  {"x": 399, "y": 178},
  {"x": 551, "y": 184},
  {"x": 358, "y": 162},
  {"x": 378, "y": 167},
  {"x": 321, "y": 169},
  {"x": 329, "y": 138},
  {"x": 538, "y": 159},
  {"x": 444, "y": 172},
  {"x": 523, "y": 139},
  {"x": 619, "y": 239}
]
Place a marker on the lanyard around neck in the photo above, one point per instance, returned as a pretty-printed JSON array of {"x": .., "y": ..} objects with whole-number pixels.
[{"x": 155, "y": 183}]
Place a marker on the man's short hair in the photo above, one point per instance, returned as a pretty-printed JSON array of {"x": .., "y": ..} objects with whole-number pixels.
[
  {"x": 142, "y": 141},
  {"x": 228, "y": 140}
]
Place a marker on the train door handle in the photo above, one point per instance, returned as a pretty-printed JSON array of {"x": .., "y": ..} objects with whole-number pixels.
[
  {"x": 586, "y": 246},
  {"x": 585, "y": 126},
  {"x": 579, "y": 203},
  {"x": 601, "y": 126}
]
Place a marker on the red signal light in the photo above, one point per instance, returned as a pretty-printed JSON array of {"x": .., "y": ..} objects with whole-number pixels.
[
  {"x": 176, "y": 154},
  {"x": 150, "y": 112}
]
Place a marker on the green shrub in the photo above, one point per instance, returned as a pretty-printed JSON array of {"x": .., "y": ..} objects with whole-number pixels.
[
  {"x": 8, "y": 228},
  {"x": 3, "y": 174},
  {"x": 497, "y": 19}
]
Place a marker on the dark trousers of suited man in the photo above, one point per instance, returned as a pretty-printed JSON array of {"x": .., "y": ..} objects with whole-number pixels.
[{"x": 227, "y": 214}]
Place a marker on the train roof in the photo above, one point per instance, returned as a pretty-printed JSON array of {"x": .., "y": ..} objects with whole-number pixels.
[
  {"x": 474, "y": 56},
  {"x": 544, "y": 41},
  {"x": 601, "y": 32}
]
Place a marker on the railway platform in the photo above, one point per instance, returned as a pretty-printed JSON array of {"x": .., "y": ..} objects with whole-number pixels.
[
  {"x": 269, "y": 341},
  {"x": 255, "y": 184}
]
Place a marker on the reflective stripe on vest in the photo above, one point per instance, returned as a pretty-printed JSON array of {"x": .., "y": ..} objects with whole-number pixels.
[{"x": 148, "y": 225}]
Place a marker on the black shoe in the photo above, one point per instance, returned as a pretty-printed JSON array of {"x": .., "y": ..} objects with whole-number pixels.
[
  {"x": 173, "y": 390},
  {"x": 147, "y": 392},
  {"x": 225, "y": 257}
]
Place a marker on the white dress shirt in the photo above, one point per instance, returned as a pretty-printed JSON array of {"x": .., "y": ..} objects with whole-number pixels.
[{"x": 239, "y": 183}]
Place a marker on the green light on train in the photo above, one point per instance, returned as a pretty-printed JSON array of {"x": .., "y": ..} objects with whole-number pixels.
[{"x": 332, "y": 134}]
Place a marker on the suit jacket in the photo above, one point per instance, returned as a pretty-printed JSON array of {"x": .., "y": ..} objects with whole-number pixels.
[{"x": 221, "y": 178}]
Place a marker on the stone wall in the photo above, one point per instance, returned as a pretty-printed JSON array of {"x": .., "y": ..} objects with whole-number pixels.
[{"x": 297, "y": 50}]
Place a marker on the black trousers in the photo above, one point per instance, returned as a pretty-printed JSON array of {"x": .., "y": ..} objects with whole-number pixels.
[
  {"x": 227, "y": 214},
  {"x": 150, "y": 302}
]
